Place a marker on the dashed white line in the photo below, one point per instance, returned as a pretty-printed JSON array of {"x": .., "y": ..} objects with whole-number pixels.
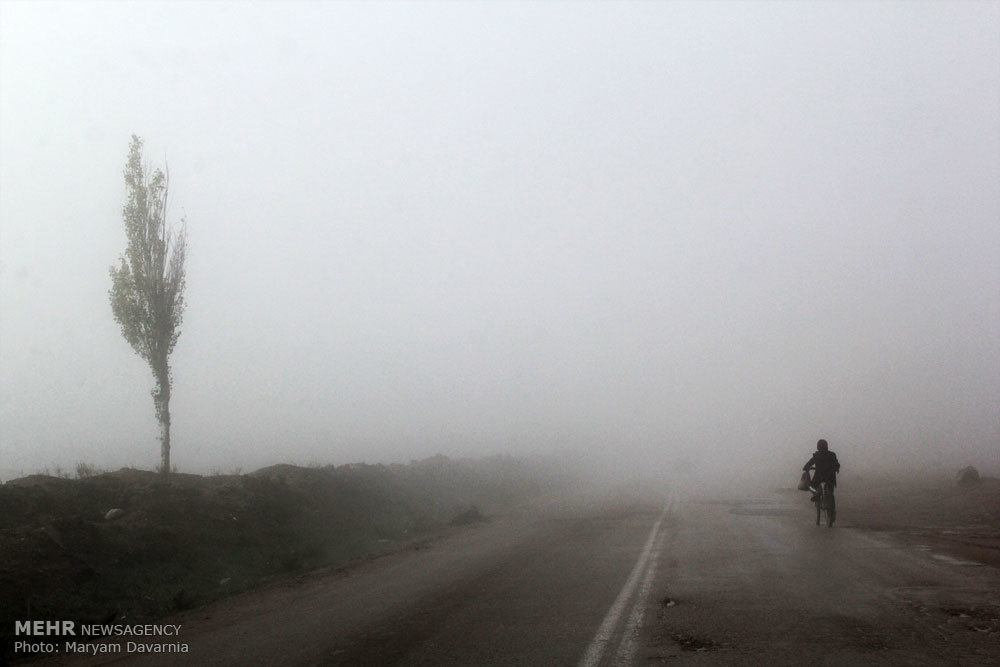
[
  {"x": 596, "y": 648},
  {"x": 627, "y": 648}
]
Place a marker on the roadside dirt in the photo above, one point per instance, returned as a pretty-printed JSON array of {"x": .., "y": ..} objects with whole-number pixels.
[
  {"x": 925, "y": 511},
  {"x": 181, "y": 544}
]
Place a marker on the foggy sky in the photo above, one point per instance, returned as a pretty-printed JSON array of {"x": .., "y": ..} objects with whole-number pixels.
[{"x": 636, "y": 231}]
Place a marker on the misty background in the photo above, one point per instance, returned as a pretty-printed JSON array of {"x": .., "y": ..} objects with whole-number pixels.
[{"x": 638, "y": 234}]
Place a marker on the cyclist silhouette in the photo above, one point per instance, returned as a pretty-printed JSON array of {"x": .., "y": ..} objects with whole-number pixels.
[{"x": 827, "y": 466}]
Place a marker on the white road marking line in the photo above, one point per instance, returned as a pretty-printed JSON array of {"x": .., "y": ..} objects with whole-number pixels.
[
  {"x": 600, "y": 641},
  {"x": 627, "y": 648}
]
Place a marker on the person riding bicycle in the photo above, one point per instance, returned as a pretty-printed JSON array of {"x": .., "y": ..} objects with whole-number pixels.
[{"x": 827, "y": 466}]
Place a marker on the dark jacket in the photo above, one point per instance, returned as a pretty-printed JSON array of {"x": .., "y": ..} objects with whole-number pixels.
[{"x": 827, "y": 467}]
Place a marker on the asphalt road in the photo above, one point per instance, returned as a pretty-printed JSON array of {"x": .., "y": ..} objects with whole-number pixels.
[{"x": 617, "y": 582}]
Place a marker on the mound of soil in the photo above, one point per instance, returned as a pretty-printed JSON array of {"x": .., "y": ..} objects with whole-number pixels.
[
  {"x": 963, "y": 520},
  {"x": 193, "y": 538}
]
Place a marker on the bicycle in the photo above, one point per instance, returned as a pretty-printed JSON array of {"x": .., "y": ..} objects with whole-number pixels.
[{"x": 825, "y": 502}]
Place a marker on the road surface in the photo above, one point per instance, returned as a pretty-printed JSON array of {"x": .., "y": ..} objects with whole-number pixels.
[{"x": 615, "y": 582}]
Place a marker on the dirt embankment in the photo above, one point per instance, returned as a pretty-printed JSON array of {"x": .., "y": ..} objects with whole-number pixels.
[
  {"x": 933, "y": 511},
  {"x": 182, "y": 543}
]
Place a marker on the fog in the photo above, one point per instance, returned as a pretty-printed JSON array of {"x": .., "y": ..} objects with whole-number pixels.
[{"x": 643, "y": 235}]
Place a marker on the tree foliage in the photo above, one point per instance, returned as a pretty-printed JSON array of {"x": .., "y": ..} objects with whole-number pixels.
[{"x": 147, "y": 285}]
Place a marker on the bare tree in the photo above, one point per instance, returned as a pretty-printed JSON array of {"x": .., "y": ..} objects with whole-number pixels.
[{"x": 147, "y": 286}]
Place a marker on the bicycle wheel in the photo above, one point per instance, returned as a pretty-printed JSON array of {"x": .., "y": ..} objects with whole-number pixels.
[
  {"x": 828, "y": 505},
  {"x": 818, "y": 503}
]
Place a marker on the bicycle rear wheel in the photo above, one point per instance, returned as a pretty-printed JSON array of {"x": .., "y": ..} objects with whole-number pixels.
[{"x": 830, "y": 505}]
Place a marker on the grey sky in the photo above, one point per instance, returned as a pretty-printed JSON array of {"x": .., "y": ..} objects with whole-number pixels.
[{"x": 717, "y": 230}]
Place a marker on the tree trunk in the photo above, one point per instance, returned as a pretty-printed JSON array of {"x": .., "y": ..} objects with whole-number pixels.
[
  {"x": 165, "y": 439},
  {"x": 161, "y": 400}
]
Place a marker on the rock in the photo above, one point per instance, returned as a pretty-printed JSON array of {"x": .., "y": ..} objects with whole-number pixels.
[
  {"x": 113, "y": 514},
  {"x": 968, "y": 476},
  {"x": 471, "y": 515}
]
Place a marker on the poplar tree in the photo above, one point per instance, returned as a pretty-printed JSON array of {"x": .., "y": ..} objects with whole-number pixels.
[{"x": 147, "y": 285}]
